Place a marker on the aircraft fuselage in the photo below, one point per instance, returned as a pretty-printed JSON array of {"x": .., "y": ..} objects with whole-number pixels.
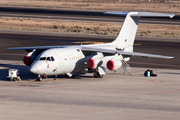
[{"x": 59, "y": 61}]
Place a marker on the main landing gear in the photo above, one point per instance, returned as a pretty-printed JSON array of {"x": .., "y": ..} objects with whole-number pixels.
[
  {"x": 97, "y": 74},
  {"x": 39, "y": 78}
]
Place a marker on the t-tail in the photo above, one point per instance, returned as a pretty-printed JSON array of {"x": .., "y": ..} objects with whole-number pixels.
[{"x": 126, "y": 36}]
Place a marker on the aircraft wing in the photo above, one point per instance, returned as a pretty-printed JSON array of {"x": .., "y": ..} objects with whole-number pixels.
[
  {"x": 103, "y": 50},
  {"x": 94, "y": 49}
]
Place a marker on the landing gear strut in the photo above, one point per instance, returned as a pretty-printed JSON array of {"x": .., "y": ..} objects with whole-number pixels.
[
  {"x": 55, "y": 78},
  {"x": 68, "y": 75},
  {"x": 97, "y": 74}
]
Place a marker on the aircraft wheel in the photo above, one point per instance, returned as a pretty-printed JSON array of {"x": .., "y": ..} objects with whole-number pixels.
[
  {"x": 38, "y": 79},
  {"x": 14, "y": 78},
  {"x": 68, "y": 75},
  {"x": 100, "y": 76},
  {"x": 97, "y": 75}
]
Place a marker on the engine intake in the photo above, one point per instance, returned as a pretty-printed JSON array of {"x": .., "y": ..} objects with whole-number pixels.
[
  {"x": 114, "y": 65},
  {"x": 94, "y": 63},
  {"x": 27, "y": 60},
  {"x": 30, "y": 57}
]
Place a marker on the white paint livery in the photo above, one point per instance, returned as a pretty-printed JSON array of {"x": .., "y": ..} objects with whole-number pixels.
[{"x": 56, "y": 60}]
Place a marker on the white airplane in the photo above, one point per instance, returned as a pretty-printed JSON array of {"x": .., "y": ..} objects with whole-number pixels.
[{"x": 67, "y": 60}]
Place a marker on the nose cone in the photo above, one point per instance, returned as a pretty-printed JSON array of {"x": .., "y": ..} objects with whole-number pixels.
[{"x": 34, "y": 69}]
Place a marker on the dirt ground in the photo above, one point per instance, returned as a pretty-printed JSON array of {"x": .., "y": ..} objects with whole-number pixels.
[{"x": 147, "y": 30}]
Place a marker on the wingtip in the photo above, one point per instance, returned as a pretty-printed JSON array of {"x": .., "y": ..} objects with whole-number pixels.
[
  {"x": 8, "y": 48},
  {"x": 170, "y": 57},
  {"x": 171, "y": 16}
]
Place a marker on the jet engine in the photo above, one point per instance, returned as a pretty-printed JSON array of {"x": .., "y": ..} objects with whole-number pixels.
[
  {"x": 114, "y": 64},
  {"x": 30, "y": 58},
  {"x": 94, "y": 63}
]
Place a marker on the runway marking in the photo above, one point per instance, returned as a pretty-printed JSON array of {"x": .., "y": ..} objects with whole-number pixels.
[
  {"x": 151, "y": 80},
  {"x": 158, "y": 81},
  {"x": 173, "y": 91},
  {"x": 137, "y": 44}
]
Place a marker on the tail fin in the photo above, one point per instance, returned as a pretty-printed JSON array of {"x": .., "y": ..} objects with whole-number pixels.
[{"x": 128, "y": 30}]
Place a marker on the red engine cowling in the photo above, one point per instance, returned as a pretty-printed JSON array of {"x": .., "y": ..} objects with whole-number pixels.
[
  {"x": 93, "y": 63},
  {"x": 27, "y": 60},
  {"x": 114, "y": 65},
  {"x": 30, "y": 58}
]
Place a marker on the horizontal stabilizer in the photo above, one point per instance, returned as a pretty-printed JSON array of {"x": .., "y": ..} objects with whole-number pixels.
[{"x": 140, "y": 14}]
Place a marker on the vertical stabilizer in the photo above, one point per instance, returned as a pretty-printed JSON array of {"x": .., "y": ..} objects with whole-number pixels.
[
  {"x": 126, "y": 36},
  {"x": 128, "y": 30}
]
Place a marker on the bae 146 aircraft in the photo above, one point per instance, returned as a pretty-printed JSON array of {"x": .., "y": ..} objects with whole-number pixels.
[{"x": 67, "y": 60}]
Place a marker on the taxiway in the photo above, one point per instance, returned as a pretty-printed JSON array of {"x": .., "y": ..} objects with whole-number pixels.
[{"x": 115, "y": 96}]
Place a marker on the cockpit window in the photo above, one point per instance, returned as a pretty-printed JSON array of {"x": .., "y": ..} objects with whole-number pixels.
[
  {"x": 47, "y": 58},
  {"x": 52, "y": 58},
  {"x": 42, "y": 58}
]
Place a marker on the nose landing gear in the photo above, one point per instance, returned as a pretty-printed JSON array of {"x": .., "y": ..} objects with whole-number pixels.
[{"x": 38, "y": 79}]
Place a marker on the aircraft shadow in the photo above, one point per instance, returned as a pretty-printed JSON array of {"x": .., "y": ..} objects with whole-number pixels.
[
  {"x": 24, "y": 71},
  {"x": 75, "y": 76},
  {"x": 27, "y": 75}
]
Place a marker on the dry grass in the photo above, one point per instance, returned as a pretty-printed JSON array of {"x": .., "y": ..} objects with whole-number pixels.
[{"x": 86, "y": 27}]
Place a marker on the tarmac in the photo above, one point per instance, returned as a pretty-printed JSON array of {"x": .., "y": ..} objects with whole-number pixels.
[{"x": 83, "y": 97}]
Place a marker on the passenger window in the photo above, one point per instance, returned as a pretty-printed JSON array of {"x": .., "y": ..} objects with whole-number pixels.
[
  {"x": 48, "y": 59},
  {"x": 52, "y": 58},
  {"x": 42, "y": 58}
]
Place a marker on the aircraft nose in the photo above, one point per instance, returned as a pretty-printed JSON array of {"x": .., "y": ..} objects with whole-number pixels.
[{"x": 34, "y": 69}]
